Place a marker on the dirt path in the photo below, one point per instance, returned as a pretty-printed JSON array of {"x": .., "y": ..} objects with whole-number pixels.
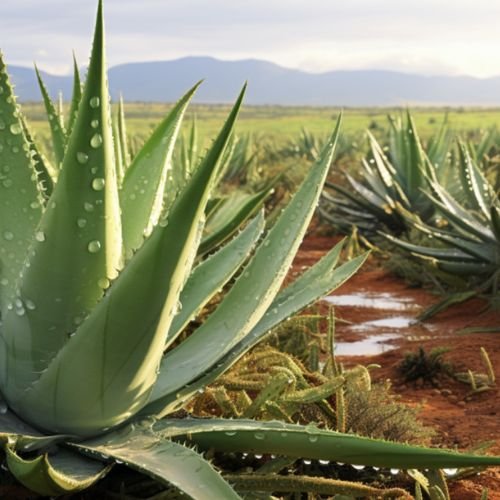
[{"x": 376, "y": 305}]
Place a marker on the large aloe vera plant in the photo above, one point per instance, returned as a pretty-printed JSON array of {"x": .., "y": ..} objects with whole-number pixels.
[{"x": 97, "y": 283}]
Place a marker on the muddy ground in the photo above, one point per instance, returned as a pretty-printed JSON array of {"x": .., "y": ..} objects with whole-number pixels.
[{"x": 375, "y": 305}]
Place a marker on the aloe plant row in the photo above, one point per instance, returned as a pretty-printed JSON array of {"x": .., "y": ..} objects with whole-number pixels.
[{"x": 98, "y": 280}]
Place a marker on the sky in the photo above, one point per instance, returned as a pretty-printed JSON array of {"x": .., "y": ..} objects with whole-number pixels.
[{"x": 430, "y": 37}]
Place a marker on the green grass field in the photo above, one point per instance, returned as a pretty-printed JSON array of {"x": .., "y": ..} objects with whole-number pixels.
[{"x": 278, "y": 124}]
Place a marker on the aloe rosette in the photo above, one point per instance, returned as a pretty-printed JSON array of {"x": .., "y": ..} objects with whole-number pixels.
[{"x": 98, "y": 280}]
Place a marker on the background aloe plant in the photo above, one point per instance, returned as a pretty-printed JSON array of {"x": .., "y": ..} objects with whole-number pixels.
[
  {"x": 391, "y": 178},
  {"x": 98, "y": 280}
]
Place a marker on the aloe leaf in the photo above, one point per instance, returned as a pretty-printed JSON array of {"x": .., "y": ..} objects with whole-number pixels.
[
  {"x": 20, "y": 196},
  {"x": 229, "y": 216},
  {"x": 56, "y": 126},
  {"x": 254, "y": 290},
  {"x": 76, "y": 97},
  {"x": 115, "y": 338},
  {"x": 122, "y": 133},
  {"x": 16, "y": 433},
  {"x": 212, "y": 274},
  {"x": 46, "y": 173},
  {"x": 459, "y": 216},
  {"x": 168, "y": 462},
  {"x": 62, "y": 473},
  {"x": 77, "y": 246},
  {"x": 141, "y": 195},
  {"x": 313, "y": 443},
  {"x": 314, "y": 283},
  {"x": 448, "y": 254},
  {"x": 120, "y": 170},
  {"x": 474, "y": 183}
]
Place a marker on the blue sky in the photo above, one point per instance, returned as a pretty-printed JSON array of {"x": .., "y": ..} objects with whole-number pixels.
[{"x": 424, "y": 36}]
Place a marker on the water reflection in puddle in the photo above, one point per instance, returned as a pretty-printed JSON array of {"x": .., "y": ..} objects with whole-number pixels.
[
  {"x": 372, "y": 301},
  {"x": 390, "y": 322},
  {"x": 378, "y": 333},
  {"x": 369, "y": 346}
]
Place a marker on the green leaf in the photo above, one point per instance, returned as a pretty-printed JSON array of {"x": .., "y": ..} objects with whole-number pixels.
[
  {"x": 212, "y": 274},
  {"x": 76, "y": 97},
  {"x": 46, "y": 173},
  {"x": 122, "y": 132},
  {"x": 65, "y": 472},
  {"x": 56, "y": 126},
  {"x": 314, "y": 283},
  {"x": 311, "y": 442},
  {"x": 254, "y": 290},
  {"x": 165, "y": 461},
  {"x": 141, "y": 196},
  {"x": 20, "y": 196},
  {"x": 125, "y": 333},
  {"x": 230, "y": 215},
  {"x": 77, "y": 246}
]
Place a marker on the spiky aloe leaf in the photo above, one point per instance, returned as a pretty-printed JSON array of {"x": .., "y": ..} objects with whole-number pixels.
[
  {"x": 319, "y": 280},
  {"x": 230, "y": 215},
  {"x": 75, "y": 98},
  {"x": 56, "y": 126},
  {"x": 141, "y": 195},
  {"x": 122, "y": 134},
  {"x": 124, "y": 348},
  {"x": 212, "y": 274},
  {"x": 474, "y": 184},
  {"x": 46, "y": 173},
  {"x": 311, "y": 442},
  {"x": 78, "y": 242},
  {"x": 254, "y": 290},
  {"x": 20, "y": 196},
  {"x": 168, "y": 462},
  {"x": 59, "y": 474}
]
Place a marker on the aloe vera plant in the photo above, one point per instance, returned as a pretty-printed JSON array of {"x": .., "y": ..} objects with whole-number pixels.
[
  {"x": 469, "y": 242},
  {"x": 389, "y": 181},
  {"x": 99, "y": 280}
]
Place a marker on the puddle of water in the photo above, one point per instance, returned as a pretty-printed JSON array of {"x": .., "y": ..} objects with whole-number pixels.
[
  {"x": 390, "y": 322},
  {"x": 372, "y": 301},
  {"x": 369, "y": 346}
]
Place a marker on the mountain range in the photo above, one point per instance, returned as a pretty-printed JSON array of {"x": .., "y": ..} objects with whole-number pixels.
[{"x": 271, "y": 84}]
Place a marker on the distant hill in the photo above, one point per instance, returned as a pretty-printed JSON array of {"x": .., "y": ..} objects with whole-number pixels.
[{"x": 269, "y": 83}]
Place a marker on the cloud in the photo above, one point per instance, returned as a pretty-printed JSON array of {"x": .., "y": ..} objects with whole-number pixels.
[{"x": 429, "y": 36}]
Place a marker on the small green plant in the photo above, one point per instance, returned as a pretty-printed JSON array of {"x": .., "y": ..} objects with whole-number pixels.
[{"x": 424, "y": 366}]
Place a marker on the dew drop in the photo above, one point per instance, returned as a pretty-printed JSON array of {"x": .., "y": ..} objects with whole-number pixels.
[
  {"x": 81, "y": 222},
  {"x": 15, "y": 129},
  {"x": 313, "y": 438},
  {"x": 103, "y": 283},
  {"x": 324, "y": 462},
  {"x": 88, "y": 207},
  {"x": 8, "y": 236},
  {"x": 230, "y": 433},
  {"x": 82, "y": 158},
  {"x": 30, "y": 305},
  {"x": 40, "y": 236},
  {"x": 357, "y": 467},
  {"x": 7, "y": 183},
  {"x": 98, "y": 184},
  {"x": 94, "y": 102},
  {"x": 450, "y": 472},
  {"x": 94, "y": 246},
  {"x": 307, "y": 462},
  {"x": 258, "y": 457},
  {"x": 94, "y": 123},
  {"x": 394, "y": 472},
  {"x": 4, "y": 281},
  {"x": 96, "y": 141},
  {"x": 259, "y": 435}
]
